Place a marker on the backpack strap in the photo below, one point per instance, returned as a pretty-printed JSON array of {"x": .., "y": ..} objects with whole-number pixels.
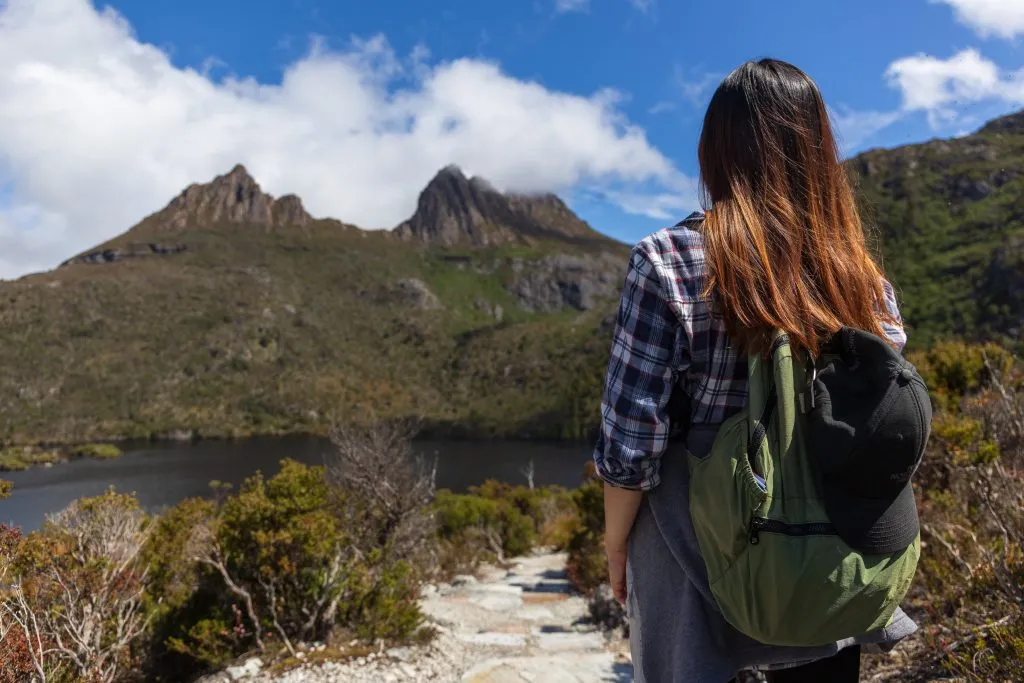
[
  {"x": 781, "y": 393},
  {"x": 763, "y": 397}
]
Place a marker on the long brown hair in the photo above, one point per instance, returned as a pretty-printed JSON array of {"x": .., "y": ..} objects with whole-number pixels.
[{"x": 784, "y": 244}]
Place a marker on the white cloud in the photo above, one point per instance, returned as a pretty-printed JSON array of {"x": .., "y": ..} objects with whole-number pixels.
[
  {"x": 97, "y": 129},
  {"x": 661, "y": 107},
  {"x": 939, "y": 87},
  {"x": 854, "y": 127},
  {"x": 945, "y": 90},
  {"x": 566, "y": 6},
  {"x": 663, "y": 207},
  {"x": 1001, "y": 18},
  {"x": 644, "y": 6},
  {"x": 563, "y": 6},
  {"x": 695, "y": 85}
]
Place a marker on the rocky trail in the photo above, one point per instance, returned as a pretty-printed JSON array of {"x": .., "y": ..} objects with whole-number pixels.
[{"x": 520, "y": 624}]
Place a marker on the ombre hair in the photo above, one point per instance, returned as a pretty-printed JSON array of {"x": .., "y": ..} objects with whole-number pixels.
[{"x": 784, "y": 243}]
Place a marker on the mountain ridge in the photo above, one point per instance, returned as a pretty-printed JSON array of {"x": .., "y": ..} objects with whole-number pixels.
[
  {"x": 232, "y": 313},
  {"x": 452, "y": 211}
]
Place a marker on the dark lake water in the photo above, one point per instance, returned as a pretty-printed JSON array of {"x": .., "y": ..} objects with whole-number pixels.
[{"x": 161, "y": 474}]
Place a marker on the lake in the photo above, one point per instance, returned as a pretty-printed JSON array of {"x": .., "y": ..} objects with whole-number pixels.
[{"x": 162, "y": 474}]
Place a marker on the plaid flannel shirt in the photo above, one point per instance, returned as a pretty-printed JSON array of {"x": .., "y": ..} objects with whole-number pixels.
[{"x": 666, "y": 339}]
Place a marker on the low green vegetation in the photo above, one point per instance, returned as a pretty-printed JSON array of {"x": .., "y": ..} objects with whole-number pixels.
[
  {"x": 100, "y": 451},
  {"x": 17, "y": 458},
  {"x": 331, "y": 555},
  {"x": 496, "y": 520}
]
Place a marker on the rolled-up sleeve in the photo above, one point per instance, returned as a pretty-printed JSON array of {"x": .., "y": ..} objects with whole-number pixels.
[{"x": 642, "y": 372}]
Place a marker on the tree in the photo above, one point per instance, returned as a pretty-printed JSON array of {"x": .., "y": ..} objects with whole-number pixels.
[
  {"x": 528, "y": 472},
  {"x": 383, "y": 489}
]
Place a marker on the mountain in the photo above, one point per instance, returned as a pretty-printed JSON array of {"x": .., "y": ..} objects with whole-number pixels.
[
  {"x": 950, "y": 218},
  {"x": 234, "y": 197},
  {"x": 231, "y": 312},
  {"x": 455, "y": 210}
]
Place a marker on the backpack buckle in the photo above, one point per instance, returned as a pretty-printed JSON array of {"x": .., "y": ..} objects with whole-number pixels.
[{"x": 806, "y": 397}]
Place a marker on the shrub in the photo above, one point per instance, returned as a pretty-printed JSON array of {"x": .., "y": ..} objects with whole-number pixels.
[
  {"x": 955, "y": 369},
  {"x": 587, "y": 565},
  {"x": 16, "y": 662},
  {"x": 472, "y": 522},
  {"x": 100, "y": 451},
  {"x": 546, "y": 508},
  {"x": 994, "y": 654},
  {"x": 497, "y": 520},
  {"x": 969, "y": 595},
  {"x": 282, "y": 561},
  {"x": 295, "y": 558},
  {"x": 74, "y": 601},
  {"x": 17, "y": 458},
  {"x": 180, "y": 593}
]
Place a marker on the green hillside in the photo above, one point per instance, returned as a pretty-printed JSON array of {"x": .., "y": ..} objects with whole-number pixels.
[
  {"x": 230, "y": 312},
  {"x": 950, "y": 214},
  {"x": 224, "y": 320}
]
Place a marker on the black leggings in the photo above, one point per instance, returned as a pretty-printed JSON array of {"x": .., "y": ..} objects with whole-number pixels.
[{"x": 842, "y": 667}]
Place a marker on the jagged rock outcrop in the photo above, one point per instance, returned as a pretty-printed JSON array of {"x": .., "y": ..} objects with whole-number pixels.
[
  {"x": 112, "y": 254},
  {"x": 409, "y": 292},
  {"x": 562, "y": 280},
  {"x": 232, "y": 198},
  {"x": 456, "y": 210},
  {"x": 415, "y": 293},
  {"x": 453, "y": 209},
  {"x": 549, "y": 210}
]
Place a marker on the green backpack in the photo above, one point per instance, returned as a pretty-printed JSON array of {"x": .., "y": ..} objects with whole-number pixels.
[{"x": 778, "y": 566}]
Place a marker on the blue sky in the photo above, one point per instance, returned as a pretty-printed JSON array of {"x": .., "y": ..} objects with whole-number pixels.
[
  {"x": 666, "y": 56},
  {"x": 132, "y": 101}
]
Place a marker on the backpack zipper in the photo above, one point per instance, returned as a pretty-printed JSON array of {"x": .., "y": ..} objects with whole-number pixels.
[{"x": 773, "y": 526}]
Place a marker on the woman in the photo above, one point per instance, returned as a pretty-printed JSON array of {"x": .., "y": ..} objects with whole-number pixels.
[{"x": 781, "y": 247}]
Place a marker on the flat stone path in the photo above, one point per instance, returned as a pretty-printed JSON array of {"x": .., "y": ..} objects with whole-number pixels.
[
  {"x": 529, "y": 611},
  {"x": 516, "y": 625}
]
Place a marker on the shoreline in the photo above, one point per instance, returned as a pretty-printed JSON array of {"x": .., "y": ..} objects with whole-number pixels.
[
  {"x": 21, "y": 458},
  {"x": 46, "y": 454},
  {"x": 429, "y": 430}
]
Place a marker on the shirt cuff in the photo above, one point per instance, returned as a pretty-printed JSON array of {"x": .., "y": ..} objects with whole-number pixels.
[{"x": 622, "y": 476}]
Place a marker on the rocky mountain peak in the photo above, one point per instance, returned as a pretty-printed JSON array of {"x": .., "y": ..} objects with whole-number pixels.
[
  {"x": 234, "y": 197},
  {"x": 456, "y": 210},
  {"x": 453, "y": 210}
]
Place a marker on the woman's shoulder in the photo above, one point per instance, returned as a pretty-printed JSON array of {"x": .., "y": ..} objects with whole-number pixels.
[
  {"x": 683, "y": 237},
  {"x": 676, "y": 254}
]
